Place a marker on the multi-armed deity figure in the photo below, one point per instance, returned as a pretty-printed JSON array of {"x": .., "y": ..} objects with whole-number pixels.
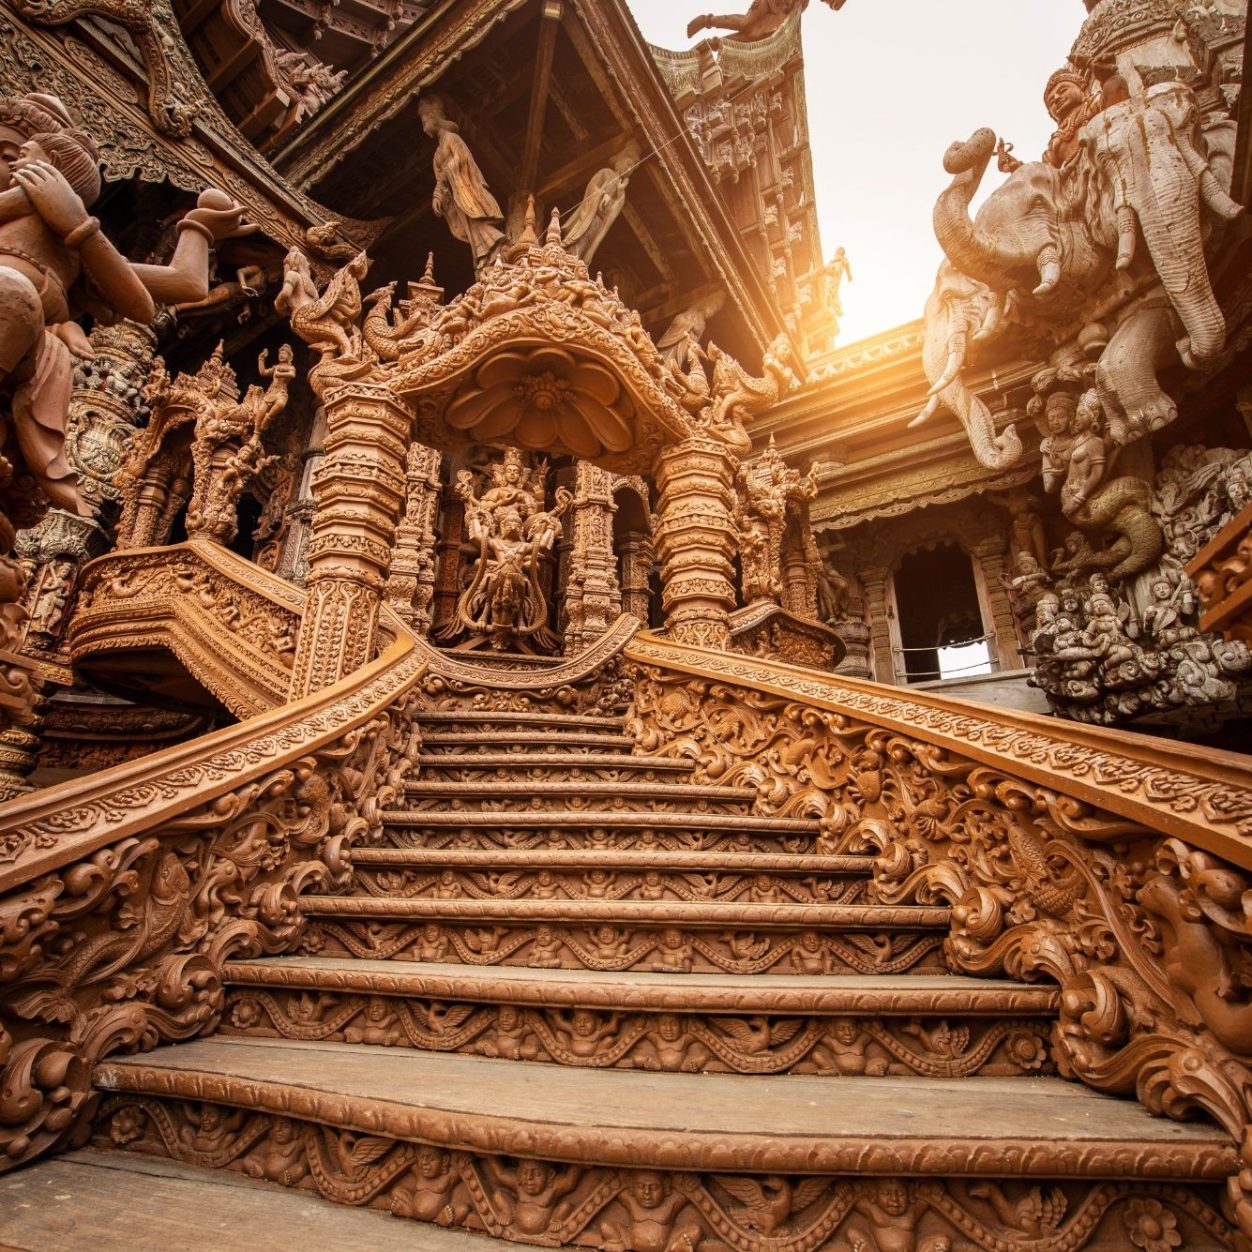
[
  {"x": 55, "y": 266},
  {"x": 505, "y": 602}
]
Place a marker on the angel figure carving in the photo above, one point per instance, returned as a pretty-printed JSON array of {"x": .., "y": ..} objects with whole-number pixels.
[{"x": 504, "y": 603}]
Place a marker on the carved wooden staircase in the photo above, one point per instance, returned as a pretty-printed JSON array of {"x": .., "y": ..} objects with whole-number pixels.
[
  {"x": 776, "y": 962},
  {"x": 577, "y": 998}
]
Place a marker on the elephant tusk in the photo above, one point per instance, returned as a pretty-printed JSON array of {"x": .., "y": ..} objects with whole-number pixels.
[
  {"x": 956, "y": 360},
  {"x": 1127, "y": 236},
  {"x": 929, "y": 411},
  {"x": 1049, "y": 262},
  {"x": 1215, "y": 196}
]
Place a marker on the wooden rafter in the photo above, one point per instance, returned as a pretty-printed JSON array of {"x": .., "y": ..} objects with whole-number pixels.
[{"x": 549, "y": 24}]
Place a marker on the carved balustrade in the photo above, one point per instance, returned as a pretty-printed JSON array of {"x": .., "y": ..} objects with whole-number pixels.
[
  {"x": 122, "y": 894},
  {"x": 1117, "y": 866},
  {"x": 226, "y": 621}
]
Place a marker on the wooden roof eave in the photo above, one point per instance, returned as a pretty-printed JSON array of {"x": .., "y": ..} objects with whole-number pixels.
[{"x": 615, "y": 37}]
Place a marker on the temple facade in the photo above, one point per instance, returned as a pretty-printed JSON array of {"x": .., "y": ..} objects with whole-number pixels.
[{"x": 513, "y": 734}]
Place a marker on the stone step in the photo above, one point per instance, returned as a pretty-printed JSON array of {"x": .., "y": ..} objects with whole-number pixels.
[
  {"x": 112, "y": 1201},
  {"x": 613, "y": 874},
  {"x": 561, "y": 795},
  {"x": 640, "y": 1160},
  {"x": 600, "y": 828},
  {"x": 519, "y": 742},
  {"x": 935, "y": 1025},
  {"x": 674, "y": 935},
  {"x": 523, "y": 767}
]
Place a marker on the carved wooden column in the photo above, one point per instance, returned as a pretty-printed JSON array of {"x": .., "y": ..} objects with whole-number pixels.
[
  {"x": 358, "y": 490},
  {"x": 695, "y": 540},
  {"x": 991, "y": 560},
  {"x": 592, "y": 596},
  {"x": 875, "y": 583},
  {"x": 637, "y": 559},
  {"x": 411, "y": 584}
]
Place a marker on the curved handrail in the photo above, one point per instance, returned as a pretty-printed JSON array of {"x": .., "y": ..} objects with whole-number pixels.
[
  {"x": 1113, "y": 864},
  {"x": 47, "y": 829},
  {"x": 228, "y": 622},
  {"x": 1200, "y": 794}
]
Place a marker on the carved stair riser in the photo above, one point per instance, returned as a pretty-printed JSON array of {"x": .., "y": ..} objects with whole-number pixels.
[
  {"x": 610, "y": 948},
  {"x": 611, "y": 883},
  {"x": 946, "y": 1047},
  {"x": 548, "y": 1203}
]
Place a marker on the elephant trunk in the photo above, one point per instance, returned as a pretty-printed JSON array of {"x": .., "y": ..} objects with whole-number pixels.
[
  {"x": 943, "y": 358},
  {"x": 969, "y": 250}
]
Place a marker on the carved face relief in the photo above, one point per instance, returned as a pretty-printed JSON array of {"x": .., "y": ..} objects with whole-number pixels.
[
  {"x": 532, "y": 1177},
  {"x": 648, "y": 1189}
]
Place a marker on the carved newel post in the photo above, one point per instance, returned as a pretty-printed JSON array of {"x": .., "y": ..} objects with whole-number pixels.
[
  {"x": 358, "y": 491},
  {"x": 695, "y": 539}
]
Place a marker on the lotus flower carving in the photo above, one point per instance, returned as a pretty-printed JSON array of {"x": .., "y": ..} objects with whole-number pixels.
[{"x": 545, "y": 399}]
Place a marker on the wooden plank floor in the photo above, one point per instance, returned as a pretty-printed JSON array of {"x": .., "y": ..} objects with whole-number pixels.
[{"x": 119, "y": 1202}]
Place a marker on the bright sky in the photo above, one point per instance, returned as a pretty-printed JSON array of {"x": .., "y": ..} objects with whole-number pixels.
[{"x": 890, "y": 84}]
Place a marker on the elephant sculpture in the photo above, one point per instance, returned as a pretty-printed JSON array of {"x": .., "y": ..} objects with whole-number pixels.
[{"x": 1049, "y": 242}]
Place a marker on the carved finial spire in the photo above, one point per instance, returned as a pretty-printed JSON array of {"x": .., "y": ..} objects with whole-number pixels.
[
  {"x": 553, "y": 238},
  {"x": 428, "y": 277},
  {"x": 530, "y": 232}
]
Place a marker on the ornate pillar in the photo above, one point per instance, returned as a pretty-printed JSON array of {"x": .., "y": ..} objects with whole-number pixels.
[
  {"x": 994, "y": 594},
  {"x": 875, "y": 583},
  {"x": 358, "y": 490},
  {"x": 695, "y": 540},
  {"x": 411, "y": 583},
  {"x": 635, "y": 553},
  {"x": 592, "y": 595}
]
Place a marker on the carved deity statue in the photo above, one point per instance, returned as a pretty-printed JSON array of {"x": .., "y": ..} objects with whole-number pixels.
[
  {"x": 504, "y": 602},
  {"x": 56, "y": 265},
  {"x": 839, "y": 269},
  {"x": 1070, "y": 105},
  {"x": 462, "y": 197},
  {"x": 602, "y": 203},
  {"x": 763, "y": 18},
  {"x": 687, "y": 329},
  {"x": 769, "y": 490}
]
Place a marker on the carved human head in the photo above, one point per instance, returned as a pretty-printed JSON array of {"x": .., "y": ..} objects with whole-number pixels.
[
  {"x": 627, "y": 158},
  {"x": 893, "y": 1196},
  {"x": 1161, "y": 589},
  {"x": 286, "y": 353},
  {"x": 430, "y": 110},
  {"x": 431, "y": 1162},
  {"x": 1064, "y": 93},
  {"x": 24, "y": 116},
  {"x": 532, "y": 1176},
  {"x": 70, "y": 151},
  {"x": 844, "y": 1030},
  {"x": 1088, "y": 411},
  {"x": 510, "y": 523},
  {"x": 649, "y": 1188},
  {"x": 669, "y": 1027},
  {"x": 1059, "y": 411}
]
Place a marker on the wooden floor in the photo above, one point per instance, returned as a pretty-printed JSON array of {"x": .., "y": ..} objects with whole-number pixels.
[{"x": 116, "y": 1202}]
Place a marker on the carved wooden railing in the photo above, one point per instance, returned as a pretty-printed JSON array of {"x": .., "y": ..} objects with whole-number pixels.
[
  {"x": 1117, "y": 865},
  {"x": 228, "y": 622},
  {"x": 121, "y": 894}
]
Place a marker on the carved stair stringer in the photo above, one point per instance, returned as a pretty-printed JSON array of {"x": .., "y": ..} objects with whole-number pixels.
[
  {"x": 230, "y": 625},
  {"x": 1116, "y": 865},
  {"x": 122, "y": 894}
]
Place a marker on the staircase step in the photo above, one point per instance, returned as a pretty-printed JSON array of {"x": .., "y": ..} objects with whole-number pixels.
[
  {"x": 120, "y": 1201},
  {"x": 519, "y": 742},
  {"x": 558, "y": 794},
  {"x": 534, "y": 717},
  {"x": 612, "y": 874},
  {"x": 391, "y": 1099},
  {"x": 935, "y": 1025},
  {"x": 523, "y": 767},
  {"x": 686, "y": 913},
  {"x": 677, "y": 830},
  {"x": 674, "y": 935}
]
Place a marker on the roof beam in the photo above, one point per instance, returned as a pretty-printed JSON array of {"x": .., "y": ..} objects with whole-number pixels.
[{"x": 549, "y": 24}]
